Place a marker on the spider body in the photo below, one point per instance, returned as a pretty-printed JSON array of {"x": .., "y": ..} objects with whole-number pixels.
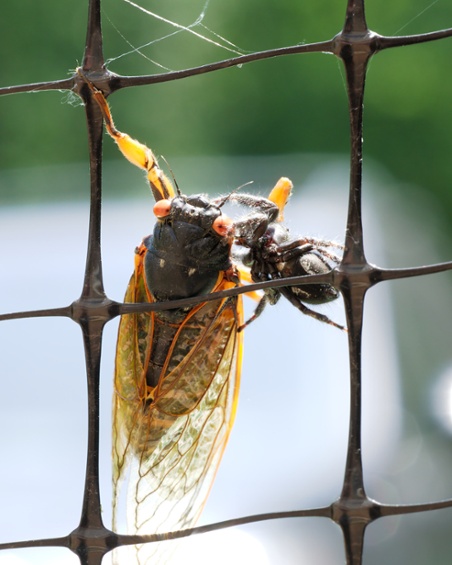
[{"x": 265, "y": 246}]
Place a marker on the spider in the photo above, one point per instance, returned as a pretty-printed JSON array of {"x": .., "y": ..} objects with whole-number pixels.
[{"x": 264, "y": 245}]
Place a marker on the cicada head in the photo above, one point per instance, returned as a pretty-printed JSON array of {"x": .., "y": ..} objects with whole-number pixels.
[{"x": 190, "y": 246}]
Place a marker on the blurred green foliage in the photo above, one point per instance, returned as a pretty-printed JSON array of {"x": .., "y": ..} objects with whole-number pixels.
[{"x": 289, "y": 105}]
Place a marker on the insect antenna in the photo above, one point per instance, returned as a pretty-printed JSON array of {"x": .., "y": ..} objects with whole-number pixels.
[{"x": 172, "y": 176}]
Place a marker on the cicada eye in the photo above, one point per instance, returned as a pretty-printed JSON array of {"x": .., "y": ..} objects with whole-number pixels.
[
  {"x": 222, "y": 226},
  {"x": 162, "y": 208}
]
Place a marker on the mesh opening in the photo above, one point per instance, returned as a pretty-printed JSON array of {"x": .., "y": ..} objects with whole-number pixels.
[{"x": 354, "y": 510}]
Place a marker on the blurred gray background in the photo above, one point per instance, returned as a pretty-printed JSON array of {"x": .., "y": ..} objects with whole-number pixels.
[{"x": 283, "y": 117}]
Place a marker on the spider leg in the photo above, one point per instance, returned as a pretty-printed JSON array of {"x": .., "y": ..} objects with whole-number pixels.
[
  {"x": 273, "y": 206},
  {"x": 257, "y": 312},
  {"x": 292, "y": 249},
  {"x": 317, "y": 243},
  {"x": 305, "y": 310},
  {"x": 270, "y": 297},
  {"x": 288, "y": 252},
  {"x": 329, "y": 255},
  {"x": 322, "y": 242},
  {"x": 249, "y": 229}
]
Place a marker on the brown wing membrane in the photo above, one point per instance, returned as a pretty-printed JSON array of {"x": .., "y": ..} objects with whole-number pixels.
[{"x": 168, "y": 440}]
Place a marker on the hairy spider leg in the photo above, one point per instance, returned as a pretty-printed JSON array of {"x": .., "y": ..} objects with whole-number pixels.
[{"x": 305, "y": 310}]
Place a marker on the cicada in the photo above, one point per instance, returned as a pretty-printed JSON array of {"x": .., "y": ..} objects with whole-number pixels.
[
  {"x": 177, "y": 371},
  {"x": 265, "y": 246}
]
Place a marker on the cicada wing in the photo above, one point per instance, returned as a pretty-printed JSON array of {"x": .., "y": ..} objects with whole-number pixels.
[
  {"x": 133, "y": 336},
  {"x": 170, "y": 448}
]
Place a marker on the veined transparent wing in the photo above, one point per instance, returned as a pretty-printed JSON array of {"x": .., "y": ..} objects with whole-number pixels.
[{"x": 168, "y": 440}]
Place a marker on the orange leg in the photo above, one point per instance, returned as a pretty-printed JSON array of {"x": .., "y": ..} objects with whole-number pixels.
[{"x": 137, "y": 153}]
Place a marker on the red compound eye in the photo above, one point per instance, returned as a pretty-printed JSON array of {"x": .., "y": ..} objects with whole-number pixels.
[
  {"x": 162, "y": 208},
  {"x": 222, "y": 226}
]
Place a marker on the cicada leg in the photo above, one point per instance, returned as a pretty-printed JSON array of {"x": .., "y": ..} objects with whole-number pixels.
[
  {"x": 137, "y": 153},
  {"x": 280, "y": 195}
]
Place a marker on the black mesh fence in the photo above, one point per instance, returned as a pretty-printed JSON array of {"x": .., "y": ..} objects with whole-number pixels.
[{"x": 353, "y": 511}]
